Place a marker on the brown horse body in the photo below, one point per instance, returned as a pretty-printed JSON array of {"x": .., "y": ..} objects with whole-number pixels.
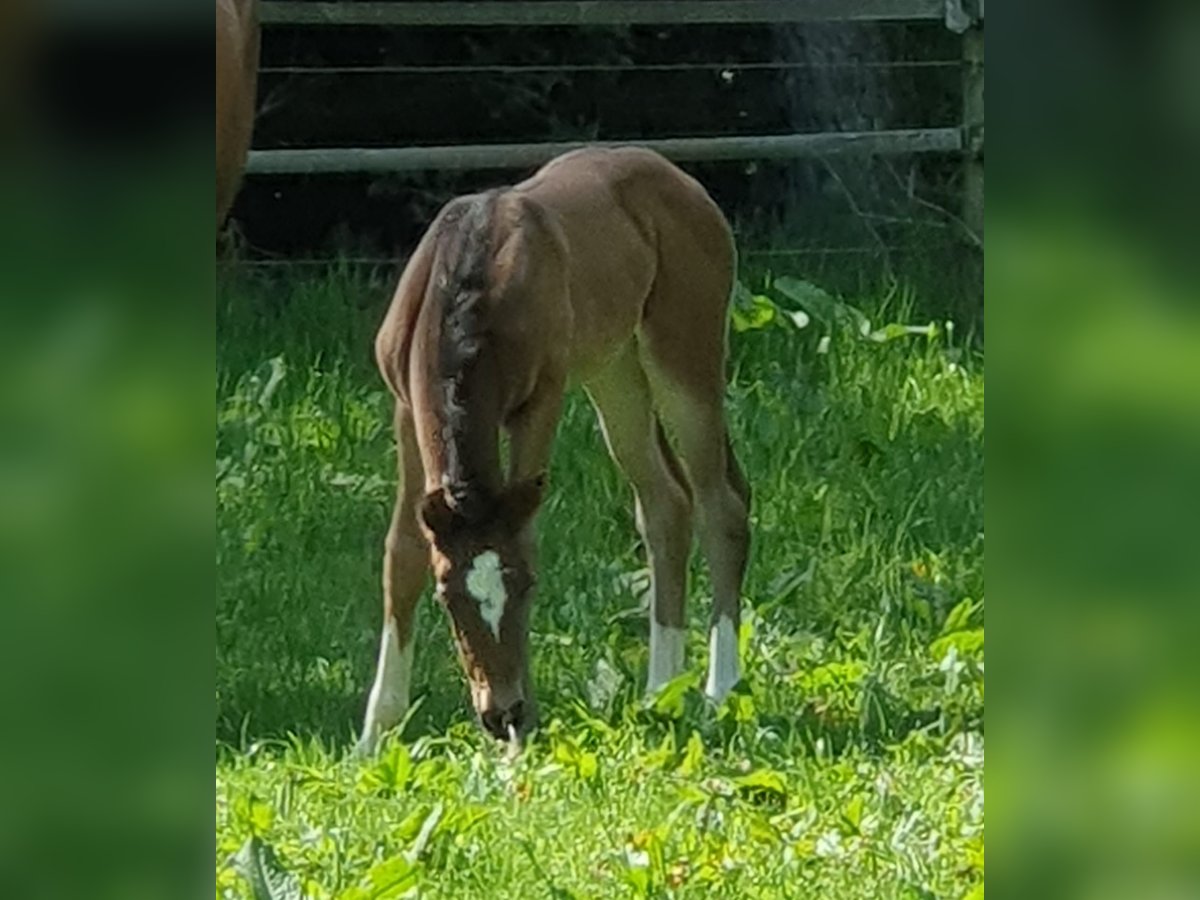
[
  {"x": 237, "y": 77},
  {"x": 610, "y": 268}
]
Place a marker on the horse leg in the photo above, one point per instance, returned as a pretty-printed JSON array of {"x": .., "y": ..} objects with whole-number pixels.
[
  {"x": 682, "y": 344},
  {"x": 532, "y": 428},
  {"x": 621, "y": 396},
  {"x": 722, "y": 498},
  {"x": 531, "y": 432},
  {"x": 405, "y": 567}
]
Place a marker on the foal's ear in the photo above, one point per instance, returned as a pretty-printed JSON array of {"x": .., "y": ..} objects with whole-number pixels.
[
  {"x": 522, "y": 500},
  {"x": 436, "y": 515}
]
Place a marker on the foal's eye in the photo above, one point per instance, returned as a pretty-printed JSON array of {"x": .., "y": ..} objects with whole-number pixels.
[{"x": 521, "y": 576}]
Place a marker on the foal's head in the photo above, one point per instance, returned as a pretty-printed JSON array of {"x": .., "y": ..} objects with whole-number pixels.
[{"x": 483, "y": 549}]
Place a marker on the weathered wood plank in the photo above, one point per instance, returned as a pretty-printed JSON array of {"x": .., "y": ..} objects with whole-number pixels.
[
  {"x": 973, "y": 133},
  {"x": 515, "y": 156},
  {"x": 610, "y": 12}
]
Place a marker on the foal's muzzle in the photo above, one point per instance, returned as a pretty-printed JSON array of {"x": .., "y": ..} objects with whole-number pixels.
[{"x": 503, "y": 724}]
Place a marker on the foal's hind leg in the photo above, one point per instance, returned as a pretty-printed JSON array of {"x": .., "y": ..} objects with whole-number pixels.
[
  {"x": 405, "y": 567},
  {"x": 722, "y": 498},
  {"x": 682, "y": 347},
  {"x": 621, "y": 396}
]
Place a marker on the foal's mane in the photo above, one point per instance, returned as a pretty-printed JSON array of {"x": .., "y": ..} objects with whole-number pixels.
[{"x": 461, "y": 282}]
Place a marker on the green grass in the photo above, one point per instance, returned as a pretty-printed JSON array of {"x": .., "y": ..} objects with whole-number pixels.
[{"x": 848, "y": 765}]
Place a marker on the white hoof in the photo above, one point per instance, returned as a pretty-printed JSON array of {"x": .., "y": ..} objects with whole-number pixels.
[
  {"x": 666, "y": 655},
  {"x": 367, "y": 745},
  {"x": 388, "y": 703},
  {"x": 724, "y": 668}
]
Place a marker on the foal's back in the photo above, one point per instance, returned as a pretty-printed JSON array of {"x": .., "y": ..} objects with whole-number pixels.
[
  {"x": 628, "y": 220},
  {"x": 598, "y": 245}
]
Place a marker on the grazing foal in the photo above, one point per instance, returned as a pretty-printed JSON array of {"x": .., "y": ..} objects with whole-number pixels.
[
  {"x": 611, "y": 268},
  {"x": 237, "y": 75}
]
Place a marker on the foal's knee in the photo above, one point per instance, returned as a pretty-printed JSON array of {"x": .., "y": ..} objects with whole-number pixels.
[
  {"x": 405, "y": 542},
  {"x": 406, "y": 562}
]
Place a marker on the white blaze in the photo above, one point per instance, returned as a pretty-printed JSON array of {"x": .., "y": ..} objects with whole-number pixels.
[
  {"x": 388, "y": 701},
  {"x": 724, "y": 670},
  {"x": 666, "y": 654},
  {"x": 485, "y": 584}
]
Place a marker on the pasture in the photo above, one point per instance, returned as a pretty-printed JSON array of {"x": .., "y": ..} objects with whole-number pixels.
[{"x": 849, "y": 763}]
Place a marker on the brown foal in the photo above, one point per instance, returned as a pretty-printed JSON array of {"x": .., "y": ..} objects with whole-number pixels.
[
  {"x": 610, "y": 268},
  {"x": 237, "y": 76}
]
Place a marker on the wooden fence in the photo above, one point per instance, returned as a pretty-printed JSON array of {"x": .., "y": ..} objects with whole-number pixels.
[
  {"x": 521, "y": 13},
  {"x": 964, "y": 17}
]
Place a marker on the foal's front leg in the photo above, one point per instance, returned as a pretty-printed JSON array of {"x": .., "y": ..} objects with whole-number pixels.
[
  {"x": 531, "y": 439},
  {"x": 405, "y": 568},
  {"x": 532, "y": 429}
]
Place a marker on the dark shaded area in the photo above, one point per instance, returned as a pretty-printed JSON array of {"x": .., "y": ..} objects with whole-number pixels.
[
  {"x": 576, "y": 83},
  {"x": 90, "y": 86},
  {"x": 451, "y": 86}
]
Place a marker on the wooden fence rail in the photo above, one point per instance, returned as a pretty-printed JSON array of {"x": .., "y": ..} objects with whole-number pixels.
[
  {"x": 529, "y": 13},
  {"x": 502, "y": 156}
]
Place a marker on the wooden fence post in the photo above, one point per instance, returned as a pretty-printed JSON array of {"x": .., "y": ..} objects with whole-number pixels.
[
  {"x": 973, "y": 128},
  {"x": 973, "y": 141}
]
